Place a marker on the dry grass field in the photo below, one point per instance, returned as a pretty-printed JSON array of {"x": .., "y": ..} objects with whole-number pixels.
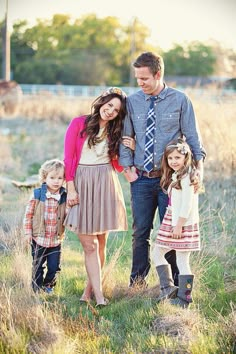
[{"x": 133, "y": 323}]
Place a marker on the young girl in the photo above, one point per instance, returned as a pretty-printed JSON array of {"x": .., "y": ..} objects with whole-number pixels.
[
  {"x": 179, "y": 230},
  {"x": 94, "y": 191},
  {"x": 43, "y": 225}
]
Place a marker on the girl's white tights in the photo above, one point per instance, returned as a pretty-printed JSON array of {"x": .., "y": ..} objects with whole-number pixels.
[{"x": 182, "y": 259}]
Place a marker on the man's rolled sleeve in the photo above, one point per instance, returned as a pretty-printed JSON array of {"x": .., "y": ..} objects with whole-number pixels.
[{"x": 190, "y": 130}]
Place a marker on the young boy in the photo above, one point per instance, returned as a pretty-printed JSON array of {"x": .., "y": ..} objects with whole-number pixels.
[{"x": 43, "y": 225}]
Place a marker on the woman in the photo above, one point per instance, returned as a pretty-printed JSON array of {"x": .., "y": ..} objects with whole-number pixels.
[{"x": 94, "y": 192}]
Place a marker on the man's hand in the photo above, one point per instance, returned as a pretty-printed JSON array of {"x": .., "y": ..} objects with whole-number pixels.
[{"x": 198, "y": 176}]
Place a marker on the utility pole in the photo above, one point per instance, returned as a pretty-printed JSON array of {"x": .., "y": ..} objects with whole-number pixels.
[
  {"x": 132, "y": 52},
  {"x": 6, "y": 70}
]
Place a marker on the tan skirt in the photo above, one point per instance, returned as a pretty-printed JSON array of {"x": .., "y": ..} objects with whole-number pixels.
[
  {"x": 101, "y": 207},
  {"x": 190, "y": 240}
]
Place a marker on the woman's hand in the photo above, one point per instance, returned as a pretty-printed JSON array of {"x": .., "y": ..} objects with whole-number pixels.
[
  {"x": 72, "y": 199},
  {"x": 128, "y": 142},
  {"x": 72, "y": 195},
  {"x": 130, "y": 174}
]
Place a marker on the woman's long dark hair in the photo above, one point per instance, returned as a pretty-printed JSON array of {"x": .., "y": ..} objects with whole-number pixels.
[{"x": 114, "y": 127}]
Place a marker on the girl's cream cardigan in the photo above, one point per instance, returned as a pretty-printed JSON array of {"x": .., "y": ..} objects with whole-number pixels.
[{"x": 184, "y": 203}]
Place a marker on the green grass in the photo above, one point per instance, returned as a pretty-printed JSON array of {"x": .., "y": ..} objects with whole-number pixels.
[{"x": 132, "y": 323}]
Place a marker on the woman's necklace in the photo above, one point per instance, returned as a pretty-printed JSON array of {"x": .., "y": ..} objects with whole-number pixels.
[
  {"x": 103, "y": 134},
  {"x": 102, "y": 144},
  {"x": 100, "y": 152}
]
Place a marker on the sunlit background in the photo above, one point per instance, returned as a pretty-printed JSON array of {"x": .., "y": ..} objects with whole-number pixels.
[{"x": 169, "y": 21}]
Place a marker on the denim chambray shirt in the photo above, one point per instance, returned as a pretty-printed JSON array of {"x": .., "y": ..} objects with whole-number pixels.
[{"x": 174, "y": 117}]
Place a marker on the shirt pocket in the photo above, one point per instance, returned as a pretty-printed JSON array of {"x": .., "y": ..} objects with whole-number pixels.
[
  {"x": 170, "y": 122},
  {"x": 140, "y": 123}
]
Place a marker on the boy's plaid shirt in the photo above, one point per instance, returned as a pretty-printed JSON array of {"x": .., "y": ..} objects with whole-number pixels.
[{"x": 50, "y": 238}]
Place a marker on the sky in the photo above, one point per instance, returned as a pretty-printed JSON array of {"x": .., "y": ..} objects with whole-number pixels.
[{"x": 169, "y": 21}]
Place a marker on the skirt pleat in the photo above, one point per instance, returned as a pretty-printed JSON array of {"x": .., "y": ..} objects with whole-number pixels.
[{"x": 101, "y": 205}]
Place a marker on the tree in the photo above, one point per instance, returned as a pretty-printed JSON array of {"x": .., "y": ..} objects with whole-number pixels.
[
  {"x": 95, "y": 51},
  {"x": 88, "y": 51},
  {"x": 194, "y": 59},
  {"x": 225, "y": 59}
]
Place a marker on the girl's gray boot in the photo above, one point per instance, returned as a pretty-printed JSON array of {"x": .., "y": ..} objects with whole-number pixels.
[
  {"x": 184, "y": 297},
  {"x": 168, "y": 289}
]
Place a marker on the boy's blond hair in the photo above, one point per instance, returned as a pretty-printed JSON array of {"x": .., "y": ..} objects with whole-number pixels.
[{"x": 48, "y": 166}]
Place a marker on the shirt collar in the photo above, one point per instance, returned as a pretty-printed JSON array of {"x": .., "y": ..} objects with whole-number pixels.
[
  {"x": 162, "y": 94},
  {"x": 54, "y": 196}
]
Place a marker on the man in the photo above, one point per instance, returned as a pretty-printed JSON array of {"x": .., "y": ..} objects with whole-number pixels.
[{"x": 170, "y": 114}]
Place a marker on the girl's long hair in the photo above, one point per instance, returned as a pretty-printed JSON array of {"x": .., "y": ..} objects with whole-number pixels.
[
  {"x": 167, "y": 172},
  {"x": 114, "y": 127}
]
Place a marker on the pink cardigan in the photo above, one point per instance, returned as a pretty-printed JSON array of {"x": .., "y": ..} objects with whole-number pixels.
[{"x": 73, "y": 145}]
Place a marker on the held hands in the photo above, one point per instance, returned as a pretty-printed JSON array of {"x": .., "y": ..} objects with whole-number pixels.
[
  {"x": 72, "y": 195},
  {"x": 72, "y": 198}
]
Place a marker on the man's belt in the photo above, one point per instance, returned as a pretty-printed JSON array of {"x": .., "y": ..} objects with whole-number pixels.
[{"x": 152, "y": 174}]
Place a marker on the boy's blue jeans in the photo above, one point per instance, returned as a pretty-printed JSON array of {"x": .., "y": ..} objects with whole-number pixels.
[
  {"x": 51, "y": 256},
  {"x": 146, "y": 197}
]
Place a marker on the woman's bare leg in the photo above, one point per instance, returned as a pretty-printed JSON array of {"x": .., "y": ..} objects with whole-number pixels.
[
  {"x": 95, "y": 254},
  {"x": 102, "y": 240}
]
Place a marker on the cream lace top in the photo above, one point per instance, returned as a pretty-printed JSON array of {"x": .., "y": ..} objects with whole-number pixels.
[{"x": 98, "y": 154}]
